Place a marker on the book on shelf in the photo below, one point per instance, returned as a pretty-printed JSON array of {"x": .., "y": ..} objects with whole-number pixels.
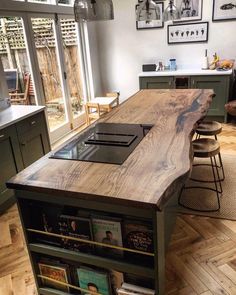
[
  {"x": 94, "y": 281},
  {"x": 138, "y": 235},
  {"x": 129, "y": 289},
  {"x": 139, "y": 281},
  {"x": 58, "y": 272},
  {"x": 108, "y": 231},
  {"x": 117, "y": 279},
  {"x": 76, "y": 227}
]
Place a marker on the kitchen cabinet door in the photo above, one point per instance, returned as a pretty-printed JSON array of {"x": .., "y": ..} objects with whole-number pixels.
[
  {"x": 220, "y": 85},
  {"x": 10, "y": 156},
  {"x": 33, "y": 138},
  {"x": 156, "y": 82}
]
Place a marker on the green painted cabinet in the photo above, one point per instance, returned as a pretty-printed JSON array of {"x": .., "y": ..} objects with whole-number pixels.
[
  {"x": 219, "y": 83},
  {"x": 156, "y": 82},
  {"x": 20, "y": 145},
  {"x": 33, "y": 138},
  {"x": 10, "y": 162}
]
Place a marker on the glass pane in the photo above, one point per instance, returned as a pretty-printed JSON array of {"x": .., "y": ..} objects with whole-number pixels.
[
  {"x": 66, "y": 2},
  {"x": 43, "y": 1},
  {"x": 44, "y": 37},
  {"x": 70, "y": 44},
  {"x": 15, "y": 61}
]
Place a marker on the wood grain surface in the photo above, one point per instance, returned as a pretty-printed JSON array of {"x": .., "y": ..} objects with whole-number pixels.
[{"x": 150, "y": 174}]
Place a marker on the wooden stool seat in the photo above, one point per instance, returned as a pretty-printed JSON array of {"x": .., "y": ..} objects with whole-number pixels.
[
  {"x": 206, "y": 147},
  {"x": 209, "y": 128}
]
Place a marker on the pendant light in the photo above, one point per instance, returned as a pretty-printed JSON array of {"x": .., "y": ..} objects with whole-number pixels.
[
  {"x": 171, "y": 12},
  {"x": 93, "y": 10},
  {"x": 148, "y": 11}
]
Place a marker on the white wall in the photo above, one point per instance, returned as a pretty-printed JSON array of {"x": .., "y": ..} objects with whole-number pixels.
[{"x": 122, "y": 49}]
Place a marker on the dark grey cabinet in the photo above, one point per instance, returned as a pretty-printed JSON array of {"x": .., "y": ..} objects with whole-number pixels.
[
  {"x": 10, "y": 161},
  {"x": 219, "y": 83},
  {"x": 156, "y": 82},
  {"x": 21, "y": 144},
  {"x": 33, "y": 139}
]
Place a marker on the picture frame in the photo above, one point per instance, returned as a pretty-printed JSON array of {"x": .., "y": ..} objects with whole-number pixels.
[
  {"x": 223, "y": 11},
  {"x": 157, "y": 24},
  {"x": 188, "y": 33},
  {"x": 190, "y": 10}
]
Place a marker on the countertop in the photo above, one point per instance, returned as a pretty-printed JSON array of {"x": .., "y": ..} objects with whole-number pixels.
[
  {"x": 151, "y": 173},
  {"x": 186, "y": 72},
  {"x": 16, "y": 113}
]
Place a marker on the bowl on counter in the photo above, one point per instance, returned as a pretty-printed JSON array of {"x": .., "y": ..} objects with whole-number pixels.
[{"x": 4, "y": 103}]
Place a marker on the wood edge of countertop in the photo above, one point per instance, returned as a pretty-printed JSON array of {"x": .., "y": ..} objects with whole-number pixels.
[{"x": 103, "y": 198}]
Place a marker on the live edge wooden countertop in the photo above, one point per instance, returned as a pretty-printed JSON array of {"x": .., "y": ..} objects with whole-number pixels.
[{"x": 150, "y": 175}]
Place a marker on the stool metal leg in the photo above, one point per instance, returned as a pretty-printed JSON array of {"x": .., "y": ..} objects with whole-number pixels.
[{"x": 216, "y": 181}]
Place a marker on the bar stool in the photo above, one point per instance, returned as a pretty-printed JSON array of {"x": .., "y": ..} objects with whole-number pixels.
[
  {"x": 206, "y": 148},
  {"x": 211, "y": 128}
]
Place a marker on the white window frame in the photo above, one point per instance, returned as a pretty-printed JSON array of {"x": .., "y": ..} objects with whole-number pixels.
[{"x": 26, "y": 10}]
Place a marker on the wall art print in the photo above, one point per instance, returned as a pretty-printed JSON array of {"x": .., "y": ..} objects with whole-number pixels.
[
  {"x": 188, "y": 33},
  {"x": 224, "y": 10},
  {"x": 191, "y": 10},
  {"x": 154, "y": 23}
]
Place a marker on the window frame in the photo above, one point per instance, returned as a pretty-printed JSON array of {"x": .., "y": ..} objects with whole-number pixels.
[{"x": 26, "y": 10}]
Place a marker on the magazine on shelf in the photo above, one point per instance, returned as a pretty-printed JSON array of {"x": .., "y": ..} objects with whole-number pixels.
[
  {"x": 108, "y": 231},
  {"x": 76, "y": 227},
  {"x": 138, "y": 236},
  {"x": 139, "y": 281},
  {"x": 137, "y": 289},
  {"x": 94, "y": 281},
  {"x": 117, "y": 279},
  {"x": 56, "y": 272}
]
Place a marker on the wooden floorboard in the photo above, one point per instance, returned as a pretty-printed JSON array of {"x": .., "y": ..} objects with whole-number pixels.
[{"x": 201, "y": 257}]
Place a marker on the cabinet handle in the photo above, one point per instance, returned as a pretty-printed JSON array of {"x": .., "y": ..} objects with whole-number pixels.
[
  {"x": 2, "y": 135},
  {"x": 193, "y": 82},
  {"x": 170, "y": 83},
  {"x": 23, "y": 143},
  {"x": 33, "y": 123}
]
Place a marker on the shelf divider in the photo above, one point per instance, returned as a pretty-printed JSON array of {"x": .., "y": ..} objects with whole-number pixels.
[{"x": 92, "y": 259}]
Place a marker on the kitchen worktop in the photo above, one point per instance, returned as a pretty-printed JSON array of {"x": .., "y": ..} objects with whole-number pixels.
[
  {"x": 186, "y": 72},
  {"x": 151, "y": 173},
  {"x": 15, "y": 113}
]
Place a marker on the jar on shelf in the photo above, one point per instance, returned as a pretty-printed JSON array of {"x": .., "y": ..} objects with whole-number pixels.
[{"x": 173, "y": 66}]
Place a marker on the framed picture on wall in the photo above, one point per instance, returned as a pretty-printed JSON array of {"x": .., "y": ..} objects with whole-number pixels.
[
  {"x": 154, "y": 24},
  {"x": 224, "y": 10},
  {"x": 191, "y": 10},
  {"x": 188, "y": 33}
]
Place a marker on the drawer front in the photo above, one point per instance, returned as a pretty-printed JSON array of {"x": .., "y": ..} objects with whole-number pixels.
[
  {"x": 156, "y": 82},
  {"x": 31, "y": 123}
]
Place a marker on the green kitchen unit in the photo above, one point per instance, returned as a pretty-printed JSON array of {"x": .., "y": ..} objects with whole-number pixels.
[
  {"x": 23, "y": 140},
  {"x": 203, "y": 79}
]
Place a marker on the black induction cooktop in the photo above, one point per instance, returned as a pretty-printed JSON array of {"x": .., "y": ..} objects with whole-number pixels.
[{"x": 104, "y": 143}]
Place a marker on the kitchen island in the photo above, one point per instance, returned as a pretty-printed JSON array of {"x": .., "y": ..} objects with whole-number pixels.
[{"x": 144, "y": 187}]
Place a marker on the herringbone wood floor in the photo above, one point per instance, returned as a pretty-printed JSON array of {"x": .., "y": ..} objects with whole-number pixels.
[{"x": 201, "y": 258}]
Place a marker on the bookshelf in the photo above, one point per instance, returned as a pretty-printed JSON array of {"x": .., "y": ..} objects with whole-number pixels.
[{"x": 162, "y": 224}]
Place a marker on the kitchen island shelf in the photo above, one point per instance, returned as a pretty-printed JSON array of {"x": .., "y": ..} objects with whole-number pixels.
[
  {"x": 50, "y": 291},
  {"x": 89, "y": 242},
  {"x": 91, "y": 259},
  {"x": 145, "y": 186}
]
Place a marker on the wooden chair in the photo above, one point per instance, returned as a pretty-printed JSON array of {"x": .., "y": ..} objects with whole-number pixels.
[
  {"x": 23, "y": 98},
  {"x": 101, "y": 105},
  {"x": 93, "y": 112}
]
